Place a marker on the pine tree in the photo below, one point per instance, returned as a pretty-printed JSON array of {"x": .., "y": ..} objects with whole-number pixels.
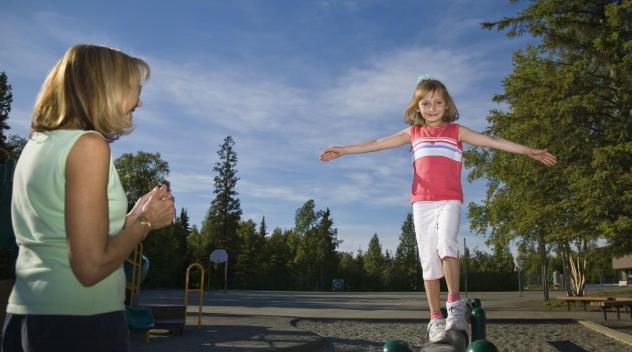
[
  {"x": 6, "y": 97},
  {"x": 222, "y": 219},
  {"x": 374, "y": 262},
  {"x": 407, "y": 255},
  {"x": 327, "y": 241},
  {"x": 263, "y": 229}
]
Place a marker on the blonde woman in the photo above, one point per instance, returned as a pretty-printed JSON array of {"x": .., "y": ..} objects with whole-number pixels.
[{"x": 69, "y": 208}]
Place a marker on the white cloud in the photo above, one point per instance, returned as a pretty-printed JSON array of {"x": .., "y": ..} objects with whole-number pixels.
[{"x": 272, "y": 193}]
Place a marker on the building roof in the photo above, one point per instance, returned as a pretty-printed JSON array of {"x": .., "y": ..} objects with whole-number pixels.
[{"x": 624, "y": 262}]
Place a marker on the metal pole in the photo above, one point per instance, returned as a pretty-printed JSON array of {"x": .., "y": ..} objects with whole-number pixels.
[
  {"x": 465, "y": 264},
  {"x": 519, "y": 283}
]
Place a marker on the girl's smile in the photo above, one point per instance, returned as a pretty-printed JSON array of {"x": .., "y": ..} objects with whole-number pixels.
[{"x": 432, "y": 108}]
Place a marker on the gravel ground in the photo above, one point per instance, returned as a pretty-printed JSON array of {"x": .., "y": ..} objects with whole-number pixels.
[{"x": 351, "y": 335}]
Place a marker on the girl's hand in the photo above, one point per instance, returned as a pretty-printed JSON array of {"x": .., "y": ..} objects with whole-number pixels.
[
  {"x": 331, "y": 153},
  {"x": 543, "y": 156}
]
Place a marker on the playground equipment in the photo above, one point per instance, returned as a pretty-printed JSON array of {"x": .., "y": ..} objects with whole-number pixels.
[
  {"x": 200, "y": 289},
  {"x": 479, "y": 328},
  {"x": 136, "y": 267},
  {"x": 478, "y": 321},
  {"x": 482, "y": 346},
  {"x": 217, "y": 257},
  {"x": 397, "y": 346},
  {"x": 455, "y": 340}
]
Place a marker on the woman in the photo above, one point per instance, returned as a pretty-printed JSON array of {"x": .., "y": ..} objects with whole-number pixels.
[{"x": 69, "y": 208}]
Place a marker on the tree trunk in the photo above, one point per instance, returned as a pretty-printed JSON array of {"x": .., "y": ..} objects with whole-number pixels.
[
  {"x": 543, "y": 265},
  {"x": 578, "y": 274},
  {"x": 565, "y": 251}
]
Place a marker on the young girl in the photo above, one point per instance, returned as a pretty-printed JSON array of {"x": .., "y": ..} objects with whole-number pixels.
[{"x": 436, "y": 147}]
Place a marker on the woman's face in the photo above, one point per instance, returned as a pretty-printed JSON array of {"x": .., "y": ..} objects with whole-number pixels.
[{"x": 132, "y": 102}]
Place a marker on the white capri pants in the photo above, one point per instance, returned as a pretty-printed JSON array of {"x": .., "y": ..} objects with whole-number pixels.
[{"x": 436, "y": 229}]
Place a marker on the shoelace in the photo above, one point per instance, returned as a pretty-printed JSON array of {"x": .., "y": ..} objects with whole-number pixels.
[
  {"x": 451, "y": 309},
  {"x": 437, "y": 325}
]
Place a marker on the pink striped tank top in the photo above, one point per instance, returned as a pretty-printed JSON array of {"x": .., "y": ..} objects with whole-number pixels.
[{"x": 437, "y": 155}]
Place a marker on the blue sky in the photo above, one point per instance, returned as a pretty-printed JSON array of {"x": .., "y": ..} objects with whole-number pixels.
[{"x": 285, "y": 79}]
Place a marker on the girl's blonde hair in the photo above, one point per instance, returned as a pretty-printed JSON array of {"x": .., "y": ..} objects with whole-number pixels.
[
  {"x": 90, "y": 88},
  {"x": 412, "y": 116}
]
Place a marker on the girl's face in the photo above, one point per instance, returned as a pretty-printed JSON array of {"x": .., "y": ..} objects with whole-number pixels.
[{"x": 433, "y": 107}]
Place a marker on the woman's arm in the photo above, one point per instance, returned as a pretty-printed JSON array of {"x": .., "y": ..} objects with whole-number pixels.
[
  {"x": 474, "y": 138},
  {"x": 393, "y": 141},
  {"x": 92, "y": 252}
]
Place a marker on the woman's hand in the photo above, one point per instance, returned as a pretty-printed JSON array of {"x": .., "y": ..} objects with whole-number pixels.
[
  {"x": 543, "y": 156},
  {"x": 158, "y": 207},
  {"x": 138, "y": 207}
]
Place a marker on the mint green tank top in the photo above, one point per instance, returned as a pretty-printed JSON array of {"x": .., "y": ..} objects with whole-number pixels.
[{"x": 44, "y": 282}]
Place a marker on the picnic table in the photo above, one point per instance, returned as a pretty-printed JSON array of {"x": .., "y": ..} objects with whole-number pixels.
[
  {"x": 586, "y": 300},
  {"x": 602, "y": 302}
]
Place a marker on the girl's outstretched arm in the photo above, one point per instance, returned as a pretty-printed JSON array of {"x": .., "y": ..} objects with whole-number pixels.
[
  {"x": 396, "y": 140},
  {"x": 474, "y": 138}
]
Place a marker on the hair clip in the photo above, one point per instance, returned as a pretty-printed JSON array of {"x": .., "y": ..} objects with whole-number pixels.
[{"x": 424, "y": 77}]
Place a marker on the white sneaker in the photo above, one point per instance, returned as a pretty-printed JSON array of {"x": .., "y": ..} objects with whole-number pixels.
[
  {"x": 436, "y": 330},
  {"x": 456, "y": 315}
]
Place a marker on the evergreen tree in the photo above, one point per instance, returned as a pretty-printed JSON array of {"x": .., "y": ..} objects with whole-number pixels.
[
  {"x": 183, "y": 219},
  {"x": 274, "y": 261},
  {"x": 222, "y": 219},
  {"x": 263, "y": 229},
  {"x": 304, "y": 241},
  {"x": 407, "y": 255},
  {"x": 6, "y": 97},
  {"x": 15, "y": 145},
  {"x": 181, "y": 231},
  {"x": 570, "y": 93},
  {"x": 197, "y": 245},
  {"x": 327, "y": 243},
  {"x": 247, "y": 266},
  {"x": 374, "y": 263}
]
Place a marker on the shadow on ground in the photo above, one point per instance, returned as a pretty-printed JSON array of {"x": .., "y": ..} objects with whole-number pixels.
[{"x": 229, "y": 338}]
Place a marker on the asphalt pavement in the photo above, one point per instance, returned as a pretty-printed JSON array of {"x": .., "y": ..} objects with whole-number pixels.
[{"x": 239, "y": 321}]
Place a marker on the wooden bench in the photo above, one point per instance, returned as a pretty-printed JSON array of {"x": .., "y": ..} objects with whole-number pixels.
[
  {"x": 618, "y": 303},
  {"x": 583, "y": 299}
]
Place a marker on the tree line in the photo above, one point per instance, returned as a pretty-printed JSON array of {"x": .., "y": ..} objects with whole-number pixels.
[{"x": 570, "y": 91}]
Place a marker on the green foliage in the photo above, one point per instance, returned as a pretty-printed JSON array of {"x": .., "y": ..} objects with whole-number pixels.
[
  {"x": 197, "y": 245},
  {"x": 165, "y": 248},
  {"x": 247, "y": 265},
  {"x": 140, "y": 173},
  {"x": 15, "y": 145},
  {"x": 6, "y": 97},
  {"x": 223, "y": 217},
  {"x": 571, "y": 94},
  {"x": 375, "y": 264},
  {"x": 407, "y": 269},
  {"x": 316, "y": 242}
]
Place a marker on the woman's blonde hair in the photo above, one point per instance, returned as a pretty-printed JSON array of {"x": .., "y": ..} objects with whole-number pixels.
[
  {"x": 90, "y": 88},
  {"x": 412, "y": 115}
]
